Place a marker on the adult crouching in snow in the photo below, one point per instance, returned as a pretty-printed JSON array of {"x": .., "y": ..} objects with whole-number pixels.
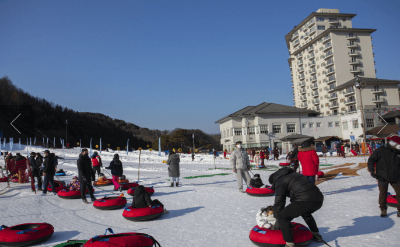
[
  {"x": 85, "y": 174},
  {"x": 309, "y": 160},
  {"x": 387, "y": 171},
  {"x": 241, "y": 165},
  {"x": 116, "y": 171},
  {"x": 173, "y": 168},
  {"x": 305, "y": 199}
]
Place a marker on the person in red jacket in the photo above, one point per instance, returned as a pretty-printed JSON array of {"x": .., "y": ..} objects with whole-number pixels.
[
  {"x": 225, "y": 154},
  {"x": 309, "y": 160},
  {"x": 96, "y": 163},
  {"x": 262, "y": 157}
]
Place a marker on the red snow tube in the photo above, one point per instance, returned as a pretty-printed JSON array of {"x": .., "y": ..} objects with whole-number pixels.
[
  {"x": 260, "y": 191},
  {"x": 320, "y": 174},
  {"x": 58, "y": 186},
  {"x": 127, "y": 186},
  {"x": 25, "y": 234},
  {"x": 129, "y": 239},
  {"x": 66, "y": 194},
  {"x": 284, "y": 164},
  {"x": 110, "y": 203},
  {"x": 391, "y": 200},
  {"x": 139, "y": 214},
  {"x": 131, "y": 191},
  {"x": 3, "y": 180},
  {"x": 266, "y": 237}
]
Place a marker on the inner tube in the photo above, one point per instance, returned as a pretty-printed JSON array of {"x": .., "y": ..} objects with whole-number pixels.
[
  {"x": 72, "y": 243},
  {"x": 110, "y": 203},
  {"x": 391, "y": 200},
  {"x": 260, "y": 191},
  {"x": 106, "y": 183},
  {"x": 141, "y": 214},
  {"x": 58, "y": 186},
  {"x": 321, "y": 174},
  {"x": 65, "y": 194},
  {"x": 25, "y": 234},
  {"x": 274, "y": 238},
  {"x": 150, "y": 190},
  {"x": 127, "y": 186},
  {"x": 3, "y": 179},
  {"x": 129, "y": 239},
  {"x": 284, "y": 164}
]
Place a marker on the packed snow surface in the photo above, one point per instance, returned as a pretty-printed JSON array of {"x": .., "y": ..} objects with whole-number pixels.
[{"x": 205, "y": 210}]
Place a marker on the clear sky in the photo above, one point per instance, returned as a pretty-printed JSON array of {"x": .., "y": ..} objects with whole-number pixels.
[{"x": 164, "y": 64}]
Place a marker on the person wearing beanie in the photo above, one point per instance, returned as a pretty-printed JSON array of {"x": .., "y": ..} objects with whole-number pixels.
[
  {"x": 240, "y": 165},
  {"x": 387, "y": 171},
  {"x": 309, "y": 160},
  {"x": 256, "y": 182},
  {"x": 116, "y": 171},
  {"x": 305, "y": 199}
]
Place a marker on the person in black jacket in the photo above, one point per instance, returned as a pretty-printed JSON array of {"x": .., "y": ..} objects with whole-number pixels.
[
  {"x": 293, "y": 158},
  {"x": 48, "y": 172},
  {"x": 35, "y": 170},
  {"x": 256, "y": 182},
  {"x": 141, "y": 198},
  {"x": 85, "y": 175},
  {"x": 305, "y": 199},
  {"x": 116, "y": 171},
  {"x": 387, "y": 160}
]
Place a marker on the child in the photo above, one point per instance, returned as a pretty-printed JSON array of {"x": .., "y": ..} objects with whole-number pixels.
[
  {"x": 102, "y": 180},
  {"x": 256, "y": 182},
  {"x": 74, "y": 185},
  {"x": 265, "y": 218},
  {"x": 257, "y": 159}
]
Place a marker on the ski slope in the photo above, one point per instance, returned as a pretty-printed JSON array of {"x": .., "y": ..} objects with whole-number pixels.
[{"x": 207, "y": 210}]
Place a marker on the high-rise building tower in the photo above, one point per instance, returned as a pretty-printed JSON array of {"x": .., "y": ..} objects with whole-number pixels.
[{"x": 326, "y": 52}]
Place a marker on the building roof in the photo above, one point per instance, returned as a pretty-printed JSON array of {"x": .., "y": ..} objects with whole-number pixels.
[
  {"x": 294, "y": 137},
  {"x": 324, "y": 138},
  {"x": 391, "y": 114},
  {"x": 266, "y": 108},
  {"x": 313, "y": 14},
  {"x": 367, "y": 80},
  {"x": 383, "y": 132}
]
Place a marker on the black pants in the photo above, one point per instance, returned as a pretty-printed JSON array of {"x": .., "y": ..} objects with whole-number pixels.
[
  {"x": 36, "y": 174},
  {"x": 96, "y": 169},
  {"x": 294, "y": 210},
  {"x": 86, "y": 185},
  {"x": 49, "y": 178},
  {"x": 383, "y": 189}
]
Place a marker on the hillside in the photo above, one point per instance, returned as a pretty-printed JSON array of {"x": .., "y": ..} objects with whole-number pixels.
[{"x": 41, "y": 118}]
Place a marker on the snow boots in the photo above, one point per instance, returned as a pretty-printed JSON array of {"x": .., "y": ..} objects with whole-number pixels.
[
  {"x": 317, "y": 237},
  {"x": 383, "y": 213},
  {"x": 241, "y": 191},
  {"x": 172, "y": 184},
  {"x": 177, "y": 184},
  {"x": 398, "y": 214}
]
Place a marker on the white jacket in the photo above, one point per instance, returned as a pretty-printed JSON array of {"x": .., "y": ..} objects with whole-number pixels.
[
  {"x": 264, "y": 220},
  {"x": 239, "y": 159}
]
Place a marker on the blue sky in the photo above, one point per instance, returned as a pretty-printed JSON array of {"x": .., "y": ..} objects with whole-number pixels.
[{"x": 165, "y": 64}]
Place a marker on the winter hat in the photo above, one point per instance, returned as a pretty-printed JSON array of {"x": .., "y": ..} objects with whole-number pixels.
[
  {"x": 75, "y": 177},
  {"x": 307, "y": 143},
  {"x": 238, "y": 142},
  {"x": 257, "y": 175},
  {"x": 116, "y": 156},
  {"x": 394, "y": 141},
  {"x": 46, "y": 151}
]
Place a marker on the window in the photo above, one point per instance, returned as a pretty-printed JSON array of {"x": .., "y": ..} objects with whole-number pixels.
[
  {"x": 337, "y": 124},
  {"x": 345, "y": 125},
  {"x": 344, "y": 19},
  {"x": 320, "y": 19},
  {"x": 330, "y": 124},
  {"x": 350, "y": 34},
  {"x": 276, "y": 128},
  {"x": 318, "y": 125},
  {"x": 355, "y": 123},
  {"x": 370, "y": 123},
  {"x": 333, "y": 26},
  {"x": 252, "y": 130},
  {"x": 321, "y": 27},
  {"x": 332, "y": 19},
  {"x": 303, "y": 125},
  {"x": 238, "y": 132},
  {"x": 291, "y": 128},
  {"x": 264, "y": 129},
  {"x": 311, "y": 125}
]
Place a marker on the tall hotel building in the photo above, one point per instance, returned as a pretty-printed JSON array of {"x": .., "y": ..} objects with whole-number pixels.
[{"x": 327, "y": 52}]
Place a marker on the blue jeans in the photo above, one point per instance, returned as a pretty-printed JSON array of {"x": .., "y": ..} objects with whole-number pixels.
[
  {"x": 175, "y": 179},
  {"x": 311, "y": 179},
  {"x": 48, "y": 179}
]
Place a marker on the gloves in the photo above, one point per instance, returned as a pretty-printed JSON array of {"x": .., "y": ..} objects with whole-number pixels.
[
  {"x": 374, "y": 175},
  {"x": 267, "y": 226}
]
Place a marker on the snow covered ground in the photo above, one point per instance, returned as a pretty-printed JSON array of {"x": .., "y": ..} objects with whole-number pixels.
[{"x": 204, "y": 211}]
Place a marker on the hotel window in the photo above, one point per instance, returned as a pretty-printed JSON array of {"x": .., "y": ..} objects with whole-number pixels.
[
  {"x": 291, "y": 128},
  {"x": 320, "y": 19},
  {"x": 321, "y": 27},
  {"x": 370, "y": 123},
  {"x": 318, "y": 125},
  {"x": 344, "y": 19},
  {"x": 355, "y": 123},
  {"x": 337, "y": 124},
  {"x": 330, "y": 124},
  {"x": 311, "y": 125},
  {"x": 332, "y": 19},
  {"x": 264, "y": 129},
  {"x": 252, "y": 130},
  {"x": 303, "y": 125},
  {"x": 276, "y": 128},
  {"x": 345, "y": 126},
  {"x": 238, "y": 132}
]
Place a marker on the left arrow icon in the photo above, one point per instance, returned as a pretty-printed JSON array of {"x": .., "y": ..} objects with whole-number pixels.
[{"x": 13, "y": 122}]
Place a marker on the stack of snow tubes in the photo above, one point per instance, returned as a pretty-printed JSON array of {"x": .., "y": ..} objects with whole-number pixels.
[
  {"x": 266, "y": 237},
  {"x": 131, "y": 191},
  {"x": 260, "y": 191},
  {"x": 391, "y": 200},
  {"x": 25, "y": 234},
  {"x": 58, "y": 186},
  {"x": 67, "y": 194},
  {"x": 142, "y": 214},
  {"x": 110, "y": 203}
]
